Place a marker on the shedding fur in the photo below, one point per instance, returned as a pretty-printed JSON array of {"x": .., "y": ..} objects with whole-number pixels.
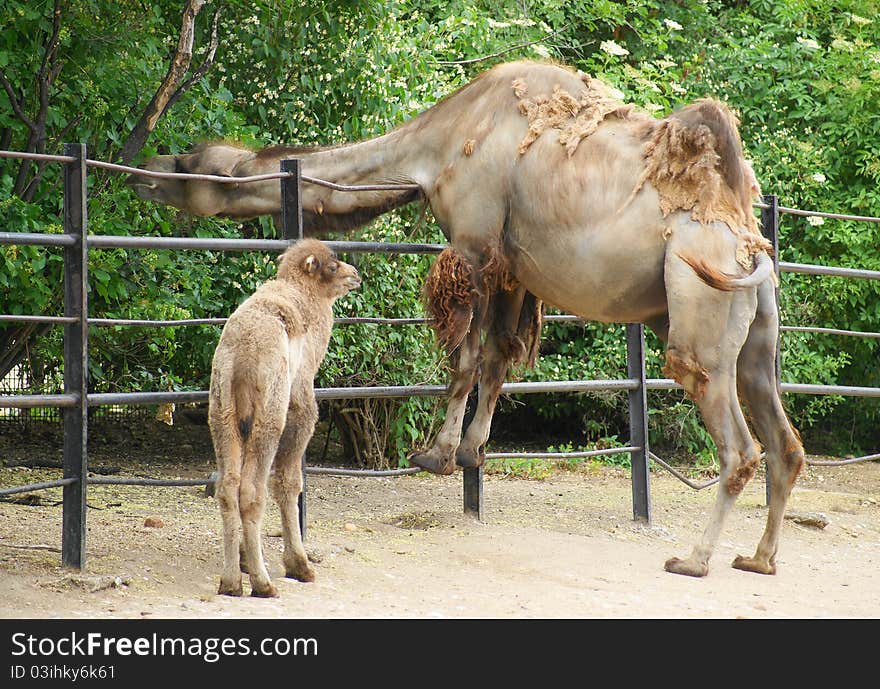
[
  {"x": 575, "y": 118},
  {"x": 742, "y": 475},
  {"x": 449, "y": 293},
  {"x": 694, "y": 160},
  {"x": 687, "y": 372}
]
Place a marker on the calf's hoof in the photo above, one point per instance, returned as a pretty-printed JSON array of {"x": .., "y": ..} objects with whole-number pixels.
[
  {"x": 689, "y": 567},
  {"x": 264, "y": 591},
  {"x": 751, "y": 564},
  {"x": 229, "y": 588},
  {"x": 469, "y": 459},
  {"x": 433, "y": 461},
  {"x": 302, "y": 573}
]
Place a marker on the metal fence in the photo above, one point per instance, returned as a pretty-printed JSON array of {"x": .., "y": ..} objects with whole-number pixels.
[{"x": 76, "y": 400}]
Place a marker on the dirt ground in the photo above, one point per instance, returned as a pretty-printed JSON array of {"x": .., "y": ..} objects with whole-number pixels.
[{"x": 562, "y": 547}]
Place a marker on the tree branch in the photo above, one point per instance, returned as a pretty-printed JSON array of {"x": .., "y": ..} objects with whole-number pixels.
[
  {"x": 502, "y": 52},
  {"x": 203, "y": 68},
  {"x": 13, "y": 100},
  {"x": 157, "y": 106}
]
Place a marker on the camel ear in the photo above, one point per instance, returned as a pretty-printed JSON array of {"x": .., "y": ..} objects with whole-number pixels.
[{"x": 311, "y": 264}]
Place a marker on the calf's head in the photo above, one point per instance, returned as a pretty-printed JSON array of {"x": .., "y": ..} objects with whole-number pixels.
[{"x": 312, "y": 262}]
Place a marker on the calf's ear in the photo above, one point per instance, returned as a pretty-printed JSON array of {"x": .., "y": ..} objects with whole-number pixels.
[{"x": 311, "y": 264}]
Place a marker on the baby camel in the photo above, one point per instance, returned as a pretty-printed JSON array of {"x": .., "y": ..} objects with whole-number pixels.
[{"x": 262, "y": 408}]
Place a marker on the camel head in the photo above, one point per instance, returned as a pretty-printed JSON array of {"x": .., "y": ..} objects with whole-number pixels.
[
  {"x": 206, "y": 198},
  {"x": 313, "y": 263}
]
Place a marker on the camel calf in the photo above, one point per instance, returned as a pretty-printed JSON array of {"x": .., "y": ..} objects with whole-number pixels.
[{"x": 262, "y": 408}]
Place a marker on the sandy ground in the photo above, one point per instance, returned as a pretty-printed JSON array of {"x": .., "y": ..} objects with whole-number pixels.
[{"x": 562, "y": 547}]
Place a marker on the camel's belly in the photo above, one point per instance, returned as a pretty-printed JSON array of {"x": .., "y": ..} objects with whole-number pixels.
[{"x": 605, "y": 275}]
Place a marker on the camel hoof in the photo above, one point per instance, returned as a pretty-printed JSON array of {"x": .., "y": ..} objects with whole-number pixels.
[
  {"x": 268, "y": 591},
  {"x": 751, "y": 564},
  {"x": 229, "y": 588},
  {"x": 689, "y": 568},
  {"x": 431, "y": 461},
  {"x": 469, "y": 459},
  {"x": 305, "y": 574}
]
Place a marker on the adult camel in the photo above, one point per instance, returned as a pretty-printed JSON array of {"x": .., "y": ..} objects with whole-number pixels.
[{"x": 549, "y": 190}]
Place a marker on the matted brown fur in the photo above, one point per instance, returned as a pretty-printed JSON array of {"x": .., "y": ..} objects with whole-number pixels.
[
  {"x": 528, "y": 332},
  {"x": 687, "y": 372},
  {"x": 742, "y": 475},
  {"x": 575, "y": 117},
  {"x": 449, "y": 293},
  {"x": 694, "y": 160}
]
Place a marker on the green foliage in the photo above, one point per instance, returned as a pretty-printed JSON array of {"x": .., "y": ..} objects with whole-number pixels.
[{"x": 804, "y": 76}]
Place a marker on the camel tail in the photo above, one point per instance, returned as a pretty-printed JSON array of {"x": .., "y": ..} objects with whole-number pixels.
[
  {"x": 245, "y": 407},
  {"x": 726, "y": 282}
]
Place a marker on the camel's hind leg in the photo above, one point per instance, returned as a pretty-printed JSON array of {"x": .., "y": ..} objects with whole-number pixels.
[
  {"x": 260, "y": 449},
  {"x": 706, "y": 333},
  {"x": 757, "y": 384},
  {"x": 287, "y": 484},
  {"x": 228, "y": 450}
]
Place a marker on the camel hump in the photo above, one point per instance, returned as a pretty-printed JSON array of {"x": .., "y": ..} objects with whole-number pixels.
[{"x": 724, "y": 125}]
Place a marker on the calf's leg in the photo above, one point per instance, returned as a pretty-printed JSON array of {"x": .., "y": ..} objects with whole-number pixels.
[{"x": 287, "y": 485}]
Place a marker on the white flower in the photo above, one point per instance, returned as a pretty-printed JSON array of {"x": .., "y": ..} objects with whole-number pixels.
[
  {"x": 652, "y": 107},
  {"x": 498, "y": 25},
  {"x": 541, "y": 50},
  {"x": 819, "y": 177},
  {"x": 676, "y": 88},
  {"x": 814, "y": 220},
  {"x": 672, "y": 24},
  {"x": 856, "y": 19},
  {"x": 617, "y": 94},
  {"x": 808, "y": 43},
  {"x": 613, "y": 48}
]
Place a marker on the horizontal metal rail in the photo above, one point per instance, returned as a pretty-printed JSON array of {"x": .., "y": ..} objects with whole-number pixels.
[
  {"x": 841, "y": 462},
  {"x": 846, "y": 390},
  {"x": 122, "y": 481},
  {"x": 215, "y": 244},
  {"x": 809, "y": 269},
  {"x": 819, "y": 214},
  {"x": 59, "y": 483},
  {"x": 827, "y": 331},
  {"x": 387, "y": 391},
  {"x": 375, "y": 473},
  {"x": 37, "y": 239},
  {"x": 35, "y": 401},
  {"x": 13, "y": 318},
  {"x": 561, "y": 455}
]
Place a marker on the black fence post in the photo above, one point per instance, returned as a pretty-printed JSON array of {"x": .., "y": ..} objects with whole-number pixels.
[
  {"x": 76, "y": 338},
  {"x": 292, "y": 229},
  {"x": 473, "y": 491},
  {"x": 770, "y": 229},
  {"x": 472, "y": 477},
  {"x": 638, "y": 422}
]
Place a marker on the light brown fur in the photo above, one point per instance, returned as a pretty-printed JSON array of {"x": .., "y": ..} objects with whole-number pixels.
[
  {"x": 262, "y": 408},
  {"x": 596, "y": 209}
]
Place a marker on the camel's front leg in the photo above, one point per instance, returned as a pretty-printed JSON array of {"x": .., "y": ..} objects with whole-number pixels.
[
  {"x": 457, "y": 300},
  {"x": 440, "y": 457},
  {"x": 513, "y": 337},
  {"x": 287, "y": 484}
]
